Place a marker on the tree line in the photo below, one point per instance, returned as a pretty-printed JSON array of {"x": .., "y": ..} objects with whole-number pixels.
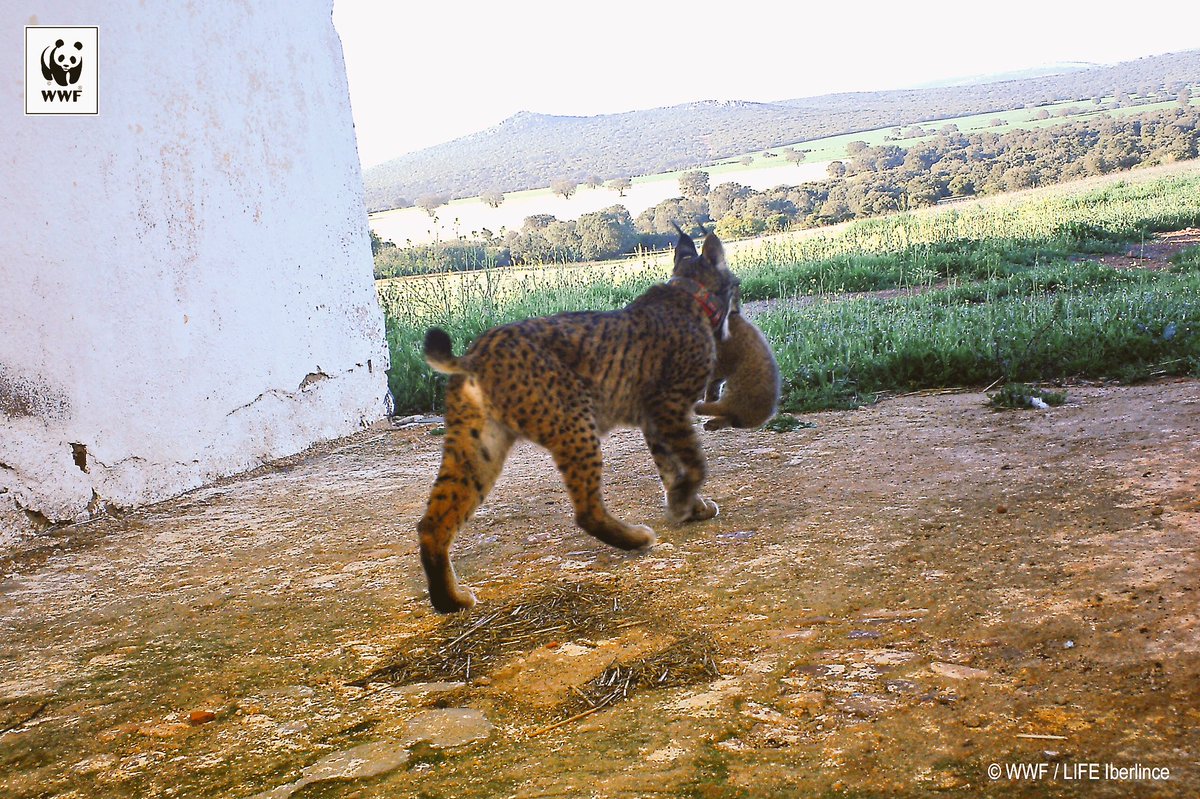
[
  {"x": 870, "y": 181},
  {"x": 542, "y": 239},
  {"x": 952, "y": 165}
]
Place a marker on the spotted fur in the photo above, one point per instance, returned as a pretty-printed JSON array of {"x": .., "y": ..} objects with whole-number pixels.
[{"x": 562, "y": 381}]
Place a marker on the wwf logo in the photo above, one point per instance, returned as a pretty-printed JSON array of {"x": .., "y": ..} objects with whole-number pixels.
[
  {"x": 63, "y": 64},
  {"x": 62, "y": 69}
]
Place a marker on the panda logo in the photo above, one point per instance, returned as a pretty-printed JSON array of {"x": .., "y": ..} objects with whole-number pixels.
[{"x": 63, "y": 65}]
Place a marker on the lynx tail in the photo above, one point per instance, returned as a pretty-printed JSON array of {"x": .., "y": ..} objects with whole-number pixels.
[{"x": 439, "y": 352}]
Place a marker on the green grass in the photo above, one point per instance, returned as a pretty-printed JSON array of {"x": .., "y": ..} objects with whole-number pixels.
[
  {"x": 786, "y": 423},
  {"x": 842, "y": 353},
  {"x": 1014, "y": 396},
  {"x": 1186, "y": 260},
  {"x": 1004, "y": 291}
]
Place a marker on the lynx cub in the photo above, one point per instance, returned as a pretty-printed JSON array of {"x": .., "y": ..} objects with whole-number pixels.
[
  {"x": 747, "y": 366},
  {"x": 563, "y": 381}
]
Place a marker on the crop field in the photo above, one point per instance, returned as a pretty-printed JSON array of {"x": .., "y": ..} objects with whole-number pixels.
[{"x": 966, "y": 296}]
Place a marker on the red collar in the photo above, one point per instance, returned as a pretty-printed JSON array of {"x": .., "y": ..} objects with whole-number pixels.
[{"x": 715, "y": 313}]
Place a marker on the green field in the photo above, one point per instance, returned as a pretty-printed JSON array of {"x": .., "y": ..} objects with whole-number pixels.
[
  {"x": 1006, "y": 292},
  {"x": 834, "y": 147}
]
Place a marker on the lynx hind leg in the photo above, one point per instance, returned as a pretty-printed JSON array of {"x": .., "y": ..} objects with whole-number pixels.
[
  {"x": 680, "y": 461},
  {"x": 473, "y": 454},
  {"x": 569, "y": 432}
]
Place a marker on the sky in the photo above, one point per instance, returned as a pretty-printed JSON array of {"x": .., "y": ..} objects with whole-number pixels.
[{"x": 422, "y": 73}]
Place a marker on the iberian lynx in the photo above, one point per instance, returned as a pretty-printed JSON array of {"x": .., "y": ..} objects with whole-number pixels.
[{"x": 562, "y": 381}]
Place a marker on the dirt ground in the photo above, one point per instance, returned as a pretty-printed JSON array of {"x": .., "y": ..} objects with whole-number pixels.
[
  {"x": 892, "y": 602},
  {"x": 1154, "y": 253}
]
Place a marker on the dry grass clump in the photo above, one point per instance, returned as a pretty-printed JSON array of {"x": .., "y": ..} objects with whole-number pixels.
[
  {"x": 470, "y": 644},
  {"x": 688, "y": 661}
]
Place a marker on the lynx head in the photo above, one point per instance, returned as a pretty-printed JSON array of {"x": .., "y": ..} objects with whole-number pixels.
[{"x": 708, "y": 268}]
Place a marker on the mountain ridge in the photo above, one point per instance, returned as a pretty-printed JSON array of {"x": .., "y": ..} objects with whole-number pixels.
[{"x": 530, "y": 149}]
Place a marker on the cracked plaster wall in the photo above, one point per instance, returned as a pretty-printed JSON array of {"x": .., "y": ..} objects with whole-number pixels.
[{"x": 185, "y": 278}]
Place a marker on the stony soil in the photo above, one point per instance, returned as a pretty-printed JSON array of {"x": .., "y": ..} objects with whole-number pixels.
[{"x": 894, "y": 600}]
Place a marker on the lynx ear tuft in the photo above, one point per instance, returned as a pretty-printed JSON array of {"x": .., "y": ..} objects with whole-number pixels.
[{"x": 686, "y": 248}]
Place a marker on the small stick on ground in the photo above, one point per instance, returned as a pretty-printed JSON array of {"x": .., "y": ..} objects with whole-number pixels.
[
  {"x": 576, "y": 717},
  {"x": 583, "y": 696},
  {"x": 472, "y": 629}
]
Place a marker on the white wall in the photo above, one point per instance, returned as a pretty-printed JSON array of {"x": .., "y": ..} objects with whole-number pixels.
[{"x": 185, "y": 279}]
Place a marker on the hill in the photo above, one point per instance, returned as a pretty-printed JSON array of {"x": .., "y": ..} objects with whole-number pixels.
[{"x": 530, "y": 150}]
